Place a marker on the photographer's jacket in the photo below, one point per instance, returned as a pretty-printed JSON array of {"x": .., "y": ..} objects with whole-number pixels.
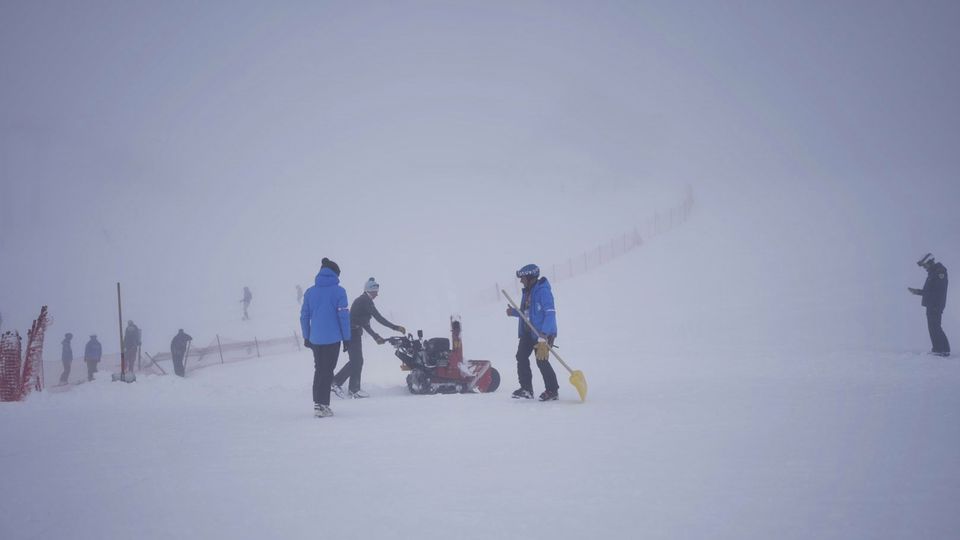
[{"x": 935, "y": 288}]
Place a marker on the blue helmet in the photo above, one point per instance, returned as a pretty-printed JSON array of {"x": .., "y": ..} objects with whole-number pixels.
[{"x": 529, "y": 270}]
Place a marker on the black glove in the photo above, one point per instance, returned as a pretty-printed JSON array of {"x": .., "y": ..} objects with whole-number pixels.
[
  {"x": 307, "y": 344},
  {"x": 345, "y": 346}
]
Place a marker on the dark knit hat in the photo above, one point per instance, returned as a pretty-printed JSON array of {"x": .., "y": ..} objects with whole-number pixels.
[{"x": 327, "y": 263}]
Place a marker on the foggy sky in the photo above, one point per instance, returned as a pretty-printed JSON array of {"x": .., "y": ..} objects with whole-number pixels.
[{"x": 188, "y": 149}]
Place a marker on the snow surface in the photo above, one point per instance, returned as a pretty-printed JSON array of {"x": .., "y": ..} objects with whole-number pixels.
[
  {"x": 758, "y": 373},
  {"x": 749, "y": 443}
]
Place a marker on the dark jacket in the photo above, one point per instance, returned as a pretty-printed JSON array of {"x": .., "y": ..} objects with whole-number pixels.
[
  {"x": 67, "y": 355},
  {"x": 93, "y": 351},
  {"x": 537, "y": 305},
  {"x": 324, "y": 315},
  {"x": 178, "y": 345},
  {"x": 131, "y": 338},
  {"x": 935, "y": 288},
  {"x": 362, "y": 310}
]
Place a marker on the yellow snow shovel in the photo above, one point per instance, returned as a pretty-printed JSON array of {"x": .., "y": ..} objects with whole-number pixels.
[{"x": 576, "y": 376}]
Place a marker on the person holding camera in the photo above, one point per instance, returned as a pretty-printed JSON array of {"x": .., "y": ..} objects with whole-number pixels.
[{"x": 934, "y": 294}]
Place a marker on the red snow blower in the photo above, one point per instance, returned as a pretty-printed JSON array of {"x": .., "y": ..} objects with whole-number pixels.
[{"x": 437, "y": 366}]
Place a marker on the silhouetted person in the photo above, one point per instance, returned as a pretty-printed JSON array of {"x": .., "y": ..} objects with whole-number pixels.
[
  {"x": 66, "y": 356},
  {"x": 934, "y": 293},
  {"x": 299, "y": 295},
  {"x": 91, "y": 355},
  {"x": 178, "y": 348},
  {"x": 247, "y": 297},
  {"x": 131, "y": 345}
]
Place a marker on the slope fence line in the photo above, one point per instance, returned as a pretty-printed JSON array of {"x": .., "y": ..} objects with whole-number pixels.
[{"x": 659, "y": 223}]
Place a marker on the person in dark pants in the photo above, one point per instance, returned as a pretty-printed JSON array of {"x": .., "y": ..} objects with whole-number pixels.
[
  {"x": 934, "y": 294},
  {"x": 131, "y": 346},
  {"x": 91, "y": 355},
  {"x": 325, "y": 323},
  {"x": 247, "y": 297},
  {"x": 361, "y": 311},
  {"x": 537, "y": 304},
  {"x": 178, "y": 348},
  {"x": 66, "y": 356}
]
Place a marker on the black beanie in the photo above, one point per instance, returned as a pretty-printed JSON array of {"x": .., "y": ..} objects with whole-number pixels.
[{"x": 327, "y": 263}]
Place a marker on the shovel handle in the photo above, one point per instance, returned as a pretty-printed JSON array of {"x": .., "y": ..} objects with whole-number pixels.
[{"x": 534, "y": 330}]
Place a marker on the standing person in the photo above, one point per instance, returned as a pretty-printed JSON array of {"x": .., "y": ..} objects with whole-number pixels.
[
  {"x": 91, "y": 355},
  {"x": 537, "y": 304},
  {"x": 299, "y": 295},
  {"x": 178, "y": 348},
  {"x": 247, "y": 297},
  {"x": 131, "y": 345},
  {"x": 934, "y": 293},
  {"x": 361, "y": 311},
  {"x": 325, "y": 323},
  {"x": 66, "y": 356}
]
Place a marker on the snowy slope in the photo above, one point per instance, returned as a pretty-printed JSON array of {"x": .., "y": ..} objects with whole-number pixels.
[{"x": 739, "y": 442}]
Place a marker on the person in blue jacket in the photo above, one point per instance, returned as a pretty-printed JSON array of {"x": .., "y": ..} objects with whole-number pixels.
[
  {"x": 325, "y": 322},
  {"x": 537, "y": 304}
]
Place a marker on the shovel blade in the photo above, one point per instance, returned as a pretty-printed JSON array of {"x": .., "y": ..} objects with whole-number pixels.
[{"x": 580, "y": 383}]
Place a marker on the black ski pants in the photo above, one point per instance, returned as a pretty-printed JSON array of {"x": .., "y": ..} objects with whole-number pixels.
[
  {"x": 324, "y": 361},
  {"x": 178, "y": 363},
  {"x": 524, "y": 350},
  {"x": 130, "y": 356},
  {"x": 66, "y": 371},
  {"x": 354, "y": 366},
  {"x": 937, "y": 338},
  {"x": 91, "y": 369}
]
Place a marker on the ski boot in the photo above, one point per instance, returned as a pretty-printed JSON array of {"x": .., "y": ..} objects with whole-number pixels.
[
  {"x": 548, "y": 395},
  {"x": 322, "y": 411},
  {"x": 522, "y": 393},
  {"x": 359, "y": 394},
  {"x": 337, "y": 389}
]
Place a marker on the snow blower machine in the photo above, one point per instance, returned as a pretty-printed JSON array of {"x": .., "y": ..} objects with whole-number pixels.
[{"x": 437, "y": 366}]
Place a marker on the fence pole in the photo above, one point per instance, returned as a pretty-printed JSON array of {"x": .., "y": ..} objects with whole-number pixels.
[
  {"x": 257, "y": 343},
  {"x": 219, "y": 348},
  {"x": 120, "y": 318}
]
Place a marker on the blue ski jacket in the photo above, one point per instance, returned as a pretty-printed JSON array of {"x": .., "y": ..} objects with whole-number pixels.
[
  {"x": 325, "y": 314},
  {"x": 537, "y": 304}
]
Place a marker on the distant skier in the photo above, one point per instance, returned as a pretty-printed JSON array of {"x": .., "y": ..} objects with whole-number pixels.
[
  {"x": 247, "y": 297},
  {"x": 91, "y": 355},
  {"x": 537, "y": 304},
  {"x": 131, "y": 346},
  {"x": 934, "y": 293},
  {"x": 299, "y": 295},
  {"x": 178, "y": 348},
  {"x": 325, "y": 323},
  {"x": 361, "y": 311},
  {"x": 66, "y": 356}
]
